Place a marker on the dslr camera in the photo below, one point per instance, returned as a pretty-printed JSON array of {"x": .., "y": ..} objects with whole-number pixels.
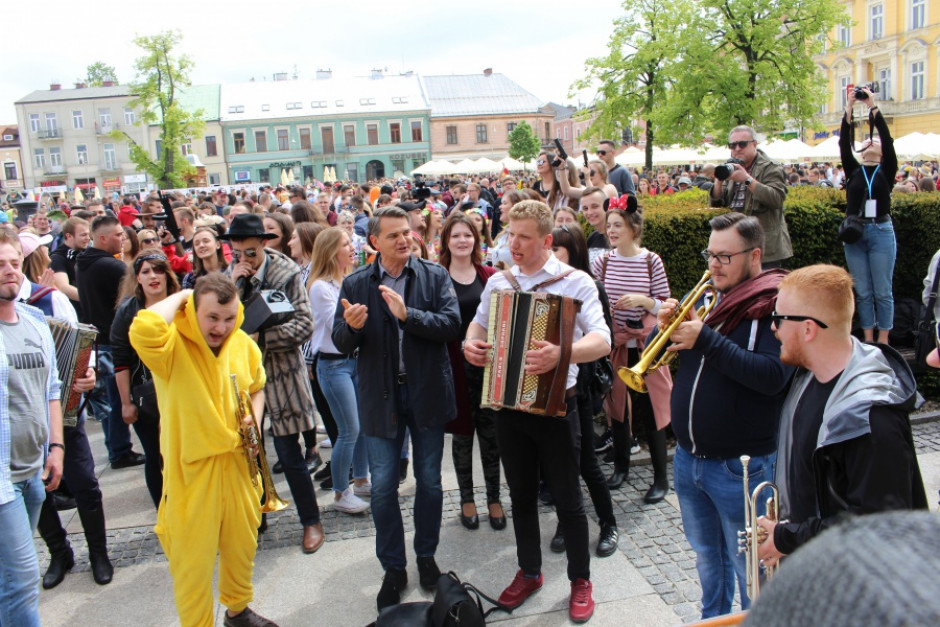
[
  {"x": 725, "y": 170},
  {"x": 861, "y": 95}
]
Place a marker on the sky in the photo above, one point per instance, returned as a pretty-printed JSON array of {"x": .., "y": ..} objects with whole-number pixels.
[{"x": 541, "y": 46}]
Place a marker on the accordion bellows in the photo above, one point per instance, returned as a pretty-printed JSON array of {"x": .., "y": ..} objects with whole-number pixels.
[
  {"x": 517, "y": 320},
  {"x": 73, "y": 346}
]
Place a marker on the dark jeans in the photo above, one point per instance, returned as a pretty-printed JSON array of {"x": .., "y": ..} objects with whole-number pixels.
[
  {"x": 291, "y": 456},
  {"x": 590, "y": 468},
  {"x": 532, "y": 445},
  {"x": 462, "y": 447},
  {"x": 655, "y": 437},
  {"x": 149, "y": 435},
  {"x": 117, "y": 433}
]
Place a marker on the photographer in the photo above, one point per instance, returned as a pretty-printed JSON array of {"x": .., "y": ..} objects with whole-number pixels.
[{"x": 754, "y": 185}]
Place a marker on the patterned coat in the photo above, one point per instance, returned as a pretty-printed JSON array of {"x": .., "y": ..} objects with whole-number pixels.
[{"x": 288, "y": 397}]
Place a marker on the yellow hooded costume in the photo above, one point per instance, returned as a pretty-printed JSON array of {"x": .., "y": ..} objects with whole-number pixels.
[{"x": 209, "y": 505}]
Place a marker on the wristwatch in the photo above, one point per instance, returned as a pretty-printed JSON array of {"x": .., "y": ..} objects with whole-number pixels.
[{"x": 747, "y": 182}]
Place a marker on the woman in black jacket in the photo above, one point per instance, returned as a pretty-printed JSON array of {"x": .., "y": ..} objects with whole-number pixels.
[
  {"x": 148, "y": 281},
  {"x": 868, "y": 195}
]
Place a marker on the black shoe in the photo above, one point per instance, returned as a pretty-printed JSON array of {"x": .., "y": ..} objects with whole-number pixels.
[
  {"x": 392, "y": 585},
  {"x": 127, "y": 460},
  {"x": 604, "y": 441},
  {"x": 545, "y": 495},
  {"x": 247, "y": 618},
  {"x": 558, "y": 541},
  {"x": 277, "y": 468},
  {"x": 607, "y": 543},
  {"x": 323, "y": 473},
  {"x": 101, "y": 568},
  {"x": 61, "y": 502},
  {"x": 327, "y": 484},
  {"x": 616, "y": 480},
  {"x": 428, "y": 572},
  {"x": 470, "y": 522},
  {"x": 58, "y": 566},
  {"x": 498, "y": 522},
  {"x": 313, "y": 460},
  {"x": 402, "y": 470},
  {"x": 656, "y": 493},
  {"x": 264, "y": 524}
]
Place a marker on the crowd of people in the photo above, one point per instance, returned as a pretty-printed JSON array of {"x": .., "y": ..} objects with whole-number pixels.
[{"x": 369, "y": 306}]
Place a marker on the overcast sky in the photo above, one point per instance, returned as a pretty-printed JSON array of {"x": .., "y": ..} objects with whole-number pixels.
[{"x": 541, "y": 46}]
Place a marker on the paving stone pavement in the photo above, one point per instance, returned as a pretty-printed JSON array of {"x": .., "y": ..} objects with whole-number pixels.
[{"x": 651, "y": 536}]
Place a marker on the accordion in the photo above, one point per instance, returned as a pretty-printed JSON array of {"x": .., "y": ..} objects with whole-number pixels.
[
  {"x": 517, "y": 319},
  {"x": 73, "y": 346}
]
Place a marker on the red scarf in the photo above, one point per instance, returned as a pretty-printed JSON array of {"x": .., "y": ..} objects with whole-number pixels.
[{"x": 751, "y": 300}]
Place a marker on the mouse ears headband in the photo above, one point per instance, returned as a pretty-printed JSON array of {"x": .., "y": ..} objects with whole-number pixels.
[{"x": 627, "y": 203}]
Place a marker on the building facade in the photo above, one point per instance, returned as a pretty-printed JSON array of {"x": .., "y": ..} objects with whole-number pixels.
[
  {"x": 359, "y": 128},
  {"x": 11, "y": 165},
  {"x": 896, "y": 44},
  {"x": 473, "y": 114}
]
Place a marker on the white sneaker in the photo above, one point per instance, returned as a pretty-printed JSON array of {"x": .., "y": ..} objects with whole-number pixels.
[
  {"x": 321, "y": 428},
  {"x": 325, "y": 443},
  {"x": 350, "y": 503},
  {"x": 363, "y": 490}
]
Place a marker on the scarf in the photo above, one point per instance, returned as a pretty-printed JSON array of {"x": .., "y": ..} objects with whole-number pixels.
[{"x": 751, "y": 300}]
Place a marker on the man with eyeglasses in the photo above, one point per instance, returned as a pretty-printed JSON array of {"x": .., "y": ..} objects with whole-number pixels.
[
  {"x": 617, "y": 175},
  {"x": 726, "y": 400},
  {"x": 757, "y": 187},
  {"x": 845, "y": 443}
]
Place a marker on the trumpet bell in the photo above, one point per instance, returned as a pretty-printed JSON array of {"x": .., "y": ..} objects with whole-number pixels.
[
  {"x": 273, "y": 503},
  {"x": 633, "y": 377}
]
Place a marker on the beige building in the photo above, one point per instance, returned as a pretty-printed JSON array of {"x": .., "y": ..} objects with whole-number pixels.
[
  {"x": 473, "y": 114},
  {"x": 11, "y": 165}
]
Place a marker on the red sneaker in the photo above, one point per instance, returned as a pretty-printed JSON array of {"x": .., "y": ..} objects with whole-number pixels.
[
  {"x": 581, "y": 605},
  {"x": 519, "y": 590}
]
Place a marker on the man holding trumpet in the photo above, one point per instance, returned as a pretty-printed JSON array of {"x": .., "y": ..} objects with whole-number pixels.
[
  {"x": 725, "y": 403},
  {"x": 193, "y": 344}
]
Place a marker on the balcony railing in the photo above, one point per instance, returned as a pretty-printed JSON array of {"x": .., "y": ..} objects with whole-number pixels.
[
  {"x": 54, "y": 169},
  {"x": 104, "y": 129},
  {"x": 890, "y": 107},
  {"x": 113, "y": 166},
  {"x": 51, "y": 133}
]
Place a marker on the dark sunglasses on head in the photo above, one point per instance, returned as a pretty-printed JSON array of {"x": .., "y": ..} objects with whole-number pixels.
[{"x": 740, "y": 145}]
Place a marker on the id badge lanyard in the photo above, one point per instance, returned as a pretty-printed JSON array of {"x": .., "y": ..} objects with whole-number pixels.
[{"x": 871, "y": 205}]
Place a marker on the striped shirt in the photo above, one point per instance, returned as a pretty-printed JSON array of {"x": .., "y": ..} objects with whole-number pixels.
[{"x": 643, "y": 274}]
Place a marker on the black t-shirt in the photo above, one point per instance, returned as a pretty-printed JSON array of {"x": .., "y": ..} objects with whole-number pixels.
[
  {"x": 807, "y": 420},
  {"x": 62, "y": 259},
  {"x": 468, "y": 299}
]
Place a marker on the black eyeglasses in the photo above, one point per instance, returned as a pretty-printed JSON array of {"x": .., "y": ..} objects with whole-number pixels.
[
  {"x": 741, "y": 145},
  {"x": 602, "y": 152},
  {"x": 778, "y": 318},
  {"x": 723, "y": 259},
  {"x": 149, "y": 240}
]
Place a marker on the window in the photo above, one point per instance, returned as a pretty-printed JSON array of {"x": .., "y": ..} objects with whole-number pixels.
[
  {"x": 9, "y": 171},
  {"x": 81, "y": 151},
  {"x": 265, "y": 107},
  {"x": 340, "y": 103},
  {"x": 318, "y": 104},
  {"x": 261, "y": 141},
  {"x": 7, "y": 137},
  {"x": 481, "y": 134},
  {"x": 399, "y": 100},
  {"x": 34, "y": 124},
  {"x": 367, "y": 101},
  {"x": 394, "y": 131},
  {"x": 130, "y": 118},
  {"x": 566, "y": 133},
  {"x": 304, "y": 138},
  {"x": 264, "y": 175},
  {"x": 78, "y": 120},
  {"x": 187, "y": 147},
  {"x": 352, "y": 172},
  {"x": 110, "y": 157},
  {"x": 283, "y": 142},
  {"x": 510, "y": 126},
  {"x": 215, "y": 179},
  {"x": 159, "y": 147},
  {"x": 239, "y": 140},
  {"x": 211, "y": 149},
  {"x": 52, "y": 126},
  {"x": 236, "y": 109},
  {"x": 39, "y": 158},
  {"x": 326, "y": 136},
  {"x": 452, "y": 134},
  {"x": 876, "y": 21},
  {"x": 844, "y": 84},
  {"x": 917, "y": 80},
  {"x": 548, "y": 130},
  {"x": 918, "y": 13},
  {"x": 293, "y": 105},
  {"x": 845, "y": 35},
  {"x": 372, "y": 132},
  {"x": 416, "y": 134},
  {"x": 398, "y": 165},
  {"x": 349, "y": 135},
  {"x": 55, "y": 156},
  {"x": 884, "y": 83}
]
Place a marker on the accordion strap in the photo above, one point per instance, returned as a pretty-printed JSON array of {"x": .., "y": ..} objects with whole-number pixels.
[
  {"x": 515, "y": 284},
  {"x": 556, "y": 399}
]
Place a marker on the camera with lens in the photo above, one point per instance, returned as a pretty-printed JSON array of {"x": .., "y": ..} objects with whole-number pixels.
[
  {"x": 725, "y": 170},
  {"x": 861, "y": 95},
  {"x": 421, "y": 191}
]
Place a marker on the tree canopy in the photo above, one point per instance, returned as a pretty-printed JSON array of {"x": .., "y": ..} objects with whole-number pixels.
[
  {"x": 99, "y": 72},
  {"x": 524, "y": 145}
]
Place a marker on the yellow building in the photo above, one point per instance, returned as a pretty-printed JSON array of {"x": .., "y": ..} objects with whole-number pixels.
[{"x": 896, "y": 44}]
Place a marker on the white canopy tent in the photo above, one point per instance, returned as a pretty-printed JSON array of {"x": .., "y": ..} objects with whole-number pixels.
[
  {"x": 435, "y": 168},
  {"x": 485, "y": 166}
]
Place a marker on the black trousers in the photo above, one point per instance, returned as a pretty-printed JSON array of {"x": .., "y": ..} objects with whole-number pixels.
[
  {"x": 484, "y": 426},
  {"x": 531, "y": 446},
  {"x": 332, "y": 430},
  {"x": 590, "y": 468}
]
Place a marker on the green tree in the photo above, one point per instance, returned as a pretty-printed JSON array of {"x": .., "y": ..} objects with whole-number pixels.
[
  {"x": 635, "y": 77},
  {"x": 161, "y": 76},
  {"x": 523, "y": 143},
  {"x": 98, "y": 72}
]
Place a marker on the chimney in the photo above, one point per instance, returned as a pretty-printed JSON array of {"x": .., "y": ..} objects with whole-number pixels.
[
  {"x": 488, "y": 71},
  {"x": 107, "y": 83},
  {"x": 55, "y": 87},
  {"x": 322, "y": 74},
  {"x": 80, "y": 85}
]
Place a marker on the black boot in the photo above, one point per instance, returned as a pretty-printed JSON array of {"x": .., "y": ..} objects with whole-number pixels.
[
  {"x": 61, "y": 557},
  {"x": 95, "y": 534},
  {"x": 622, "y": 440},
  {"x": 660, "y": 487}
]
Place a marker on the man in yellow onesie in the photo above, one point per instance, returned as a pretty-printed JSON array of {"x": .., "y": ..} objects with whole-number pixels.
[{"x": 192, "y": 343}]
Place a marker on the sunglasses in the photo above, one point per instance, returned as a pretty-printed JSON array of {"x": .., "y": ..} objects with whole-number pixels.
[
  {"x": 778, "y": 318},
  {"x": 248, "y": 252},
  {"x": 602, "y": 152},
  {"x": 540, "y": 162},
  {"x": 149, "y": 240},
  {"x": 741, "y": 145}
]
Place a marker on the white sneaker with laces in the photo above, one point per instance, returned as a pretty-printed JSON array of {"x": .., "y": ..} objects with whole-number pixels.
[
  {"x": 363, "y": 490},
  {"x": 349, "y": 503}
]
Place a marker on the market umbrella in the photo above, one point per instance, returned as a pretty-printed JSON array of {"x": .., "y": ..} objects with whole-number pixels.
[
  {"x": 466, "y": 166},
  {"x": 290, "y": 176},
  {"x": 283, "y": 177},
  {"x": 79, "y": 197},
  {"x": 510, "y": 164},
  {"x": 485, "y": 165},
  {"x": 97, "y": 195}
]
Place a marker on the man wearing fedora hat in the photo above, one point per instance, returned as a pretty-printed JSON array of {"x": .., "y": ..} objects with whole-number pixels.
[{"x": 288, "y": 397}]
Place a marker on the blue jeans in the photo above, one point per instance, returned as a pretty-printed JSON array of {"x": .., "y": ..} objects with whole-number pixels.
[
  {"x": 117, "y": 434},
  {"x": 871, "y": 264},
  {"x": 19, "y": 567},
  {"x": 711, "y": 498},
  {"x": 339, "y": 380},
  {"x": 384, "y": 453}
]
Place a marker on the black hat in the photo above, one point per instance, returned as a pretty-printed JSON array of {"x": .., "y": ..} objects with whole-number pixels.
[
  {"x": 412, "y": 206},
  {"x": 245, "y": 225}
]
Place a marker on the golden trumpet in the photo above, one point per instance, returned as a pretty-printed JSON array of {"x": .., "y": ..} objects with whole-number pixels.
[
  {"x": 753, "y": 535},
  {"x": 250, "y": 438},
  {"x": 635, "y": 376}
]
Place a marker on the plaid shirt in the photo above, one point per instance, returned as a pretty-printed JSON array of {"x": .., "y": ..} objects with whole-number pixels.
[{"x": 27, "y": 315}]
